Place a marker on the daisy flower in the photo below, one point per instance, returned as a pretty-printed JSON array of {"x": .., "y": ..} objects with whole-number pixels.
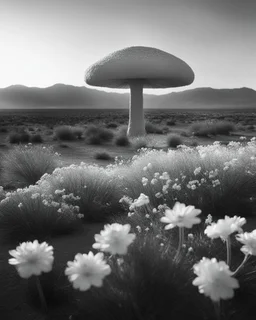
[
  {"x": 181, "y": 216},
  {"x": 214, "y": 279},
  {"x": 87, "y": 270},
  {"x": 115, "y": 238},
  {"x": 32, "y": 258}
]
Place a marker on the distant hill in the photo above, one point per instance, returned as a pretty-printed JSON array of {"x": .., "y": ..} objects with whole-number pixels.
[{"x": 67, "y": 96}]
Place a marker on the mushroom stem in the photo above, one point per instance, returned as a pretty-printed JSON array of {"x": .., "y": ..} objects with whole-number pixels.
[{"x": 136, "y": 126}]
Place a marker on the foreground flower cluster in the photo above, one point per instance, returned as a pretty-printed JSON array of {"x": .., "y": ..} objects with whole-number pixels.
[{"x": 214, "y": 278}]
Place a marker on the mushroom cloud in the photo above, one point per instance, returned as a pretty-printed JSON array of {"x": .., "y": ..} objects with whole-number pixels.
[{"x": 137, "y": 68}]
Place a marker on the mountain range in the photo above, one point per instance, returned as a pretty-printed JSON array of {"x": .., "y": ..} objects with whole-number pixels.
[{"x": 68, "y": 96}]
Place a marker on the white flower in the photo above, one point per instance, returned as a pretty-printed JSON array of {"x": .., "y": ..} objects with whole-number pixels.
[
  {"x": 214, "y": 279},
  {"x": 225, "y": 227},
  {"x": 115, "y": 238},
  {"x": 20, "y": 205},
  {"x": 144, "y": 181},
  {"x": 181, "y": 216},
  {"x": 87, "y": 270},
  {"x": 32, "y": 258},
  {"x": 249, "y": 241},
  {"x": 208, "y": 220},
  {"x": 158, "y": 195},
  {"x": 141, "y": 201},
  {"x": 197, "y": 171},
  {"x": 153, "y": 181}
]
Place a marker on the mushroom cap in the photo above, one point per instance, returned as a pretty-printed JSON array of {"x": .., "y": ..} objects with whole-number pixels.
[{"x": 153, "y": 67}]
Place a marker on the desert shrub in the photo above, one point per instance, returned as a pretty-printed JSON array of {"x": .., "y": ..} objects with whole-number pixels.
[
  {"x": 18, "y": 137},
  {"x": 122, "y": 141},
  {"x": 173, "y": 140},
  {"x": 78, "y": 132},
  {"x": 3, "y": 129},
  {"x": 36, "y": 138},
  {"x": 206, "y": 128},
  {"x": 26, "y": 215},
  {"x": 166, "y": 129},
  {"x": 64, "y": 133},
  {"x": 122, "y": 130},
  {"x": 139, "y": 142},
  {"x": 98, "y": 135},
  {"x": 98, "y": 190},
  {"x": 217, "y": 179},
  {"x": 170, "y": 122},
  {"x": 152, "y": 128},
  {"x": 185, "y": 134},
  {"x": 23, "y": 166},
  {"x": 103, "y": 155},
  {"x": 112, "y": 125}
]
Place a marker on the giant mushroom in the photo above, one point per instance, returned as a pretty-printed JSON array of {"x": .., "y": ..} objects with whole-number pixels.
[{"x": 137, "y": 68}]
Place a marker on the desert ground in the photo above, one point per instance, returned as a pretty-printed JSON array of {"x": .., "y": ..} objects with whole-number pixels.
[{"x": 114, "y": 166}]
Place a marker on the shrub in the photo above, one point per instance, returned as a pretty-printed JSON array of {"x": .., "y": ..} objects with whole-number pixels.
[
  {"x": 23, "y": 218},
  {"x": 206, "y": 128},
  {"x": 173, "y": 140},
  {"x": 122, "y": 130},
  {"x": 78, "y": 132},
  {"x": 139, "y": 142},
  {"x": 23, "y": 166},
  {"x": 98, "y": 135},
  {"x": 3, "y": 129},
  {"x": 103, "y": 156},
  {"x": 170, "y": 122},
  {"x": 152, "y": 128},
  {"x": 98, "y": 188},
  {"x": 65, "y": 133},
  {"x": 122, "y": 141},
  {"x": 36, "y": 138},
  {"x": 225, "y": 184},
  {"x": 18, "y": 137},
  {"x": 112, "y": 125}
]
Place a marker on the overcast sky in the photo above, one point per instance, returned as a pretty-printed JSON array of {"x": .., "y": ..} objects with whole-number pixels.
[{"x": 54, "y": 41}]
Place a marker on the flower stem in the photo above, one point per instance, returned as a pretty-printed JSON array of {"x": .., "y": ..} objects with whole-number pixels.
[
  {"x": 41, "y": 294},
  {"x": 216, "y": 305},
  {"x": 246, "y": 257},
  {"x": 181, "y": 240},
  {"x": 228, "y": 244}
]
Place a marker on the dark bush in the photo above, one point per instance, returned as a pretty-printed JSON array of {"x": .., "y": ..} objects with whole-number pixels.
[
  {"x": 18, "y": 137},
  {"x": 103, "y": 156},
  {"x": 65, "y": 133},
  {"x": 97, "y": 135},
  {"x": 170, "y": 123},
  {"x": 206, "y": 128},
  {"x": 112, "y": 125},
  {"x": 122, "y": 141},
  {"x": 36, "y": 138},
  {"x": 173, "y": 140},
  {"x": 152, "y": 128}
]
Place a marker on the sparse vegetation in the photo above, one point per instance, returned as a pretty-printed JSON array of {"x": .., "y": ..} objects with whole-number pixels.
[
  {"x": 173, "y": 140},
  {"x": 36, "y": 138},
  {"x": 98, "y": 135},
  {"x": 152, "y": 128},
  {"x": 65, "y": 133},
  {"x": 20, "y": 136},
  {"x": 140, "y": 142},
  {"x": 24, "y": 165},
  {"x": 103, "y": 155},
  {"x": 204, "y": 129},
  {"x": 122, "y": 141}
]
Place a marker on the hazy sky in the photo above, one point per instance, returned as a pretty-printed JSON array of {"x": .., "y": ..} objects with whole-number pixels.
[{"x": 43, "y": 42}]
